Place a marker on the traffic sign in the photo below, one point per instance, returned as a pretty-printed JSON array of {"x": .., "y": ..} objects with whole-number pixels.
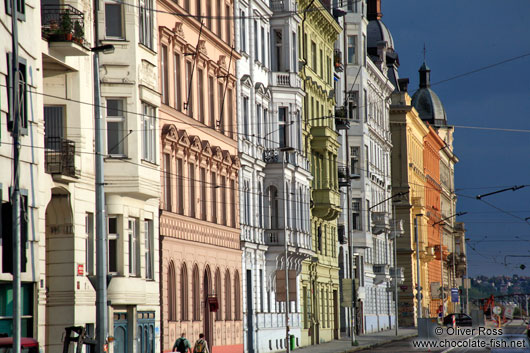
[{"x": 497, "y": 310}]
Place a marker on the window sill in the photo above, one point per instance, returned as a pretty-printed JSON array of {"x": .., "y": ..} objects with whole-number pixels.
[
  {"x": 142, "y": 45},
  {"x": 149, "y": 162},
  {"x": 116, "y": 157},
  {"x": 114, "y": 40}
]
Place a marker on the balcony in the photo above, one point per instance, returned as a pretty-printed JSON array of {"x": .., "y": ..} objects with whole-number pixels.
[
  {"x": 324, "y": 139},
  {"x": 397, "y": 272},
  {"x": 282, "y": 5},
  {"x": 338, "y": 60},
  {"x": 382, "y": 273},
  {"x": 341, "y": 121},
  {"x": 381, "y": 222},
  {"x": 59, "y": 158},
  {"x": 273, "y": 156},
  {"x": 326, "y": 204},
  {"x": 341, "y": 231},
  {"x": 299, "y": 243},
  {"x": 286, "y": 79},
  {"x": 63, "y": 27}
]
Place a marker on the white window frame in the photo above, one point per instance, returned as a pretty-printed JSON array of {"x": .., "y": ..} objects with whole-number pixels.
[
  {"x": 122, "y": 18},
  {"x": 149, "y": 133},
  {"x": 145, "y": 12},
  {"x": 149, "y": 249},
  {"x": 120, "y": 118},
  {"x": 113, "y": 237},
  {"x": 134, "y": 247}
]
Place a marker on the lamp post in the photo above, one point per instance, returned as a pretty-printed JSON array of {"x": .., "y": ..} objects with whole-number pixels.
[
  {"x": 101, "y": 236},
  {"x": 284, "y": 151},
  {"x": 441, "y": 221}
]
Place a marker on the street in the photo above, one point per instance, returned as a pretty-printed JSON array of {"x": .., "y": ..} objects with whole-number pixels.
[{"x": 514, "y": 328}]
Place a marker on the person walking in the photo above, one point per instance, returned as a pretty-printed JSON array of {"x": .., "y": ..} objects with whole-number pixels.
[
  {"x": 182, "y": 345},
  {"x": 201, "y": 346}
]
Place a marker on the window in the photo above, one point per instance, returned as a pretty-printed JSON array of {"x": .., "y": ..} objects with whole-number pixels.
[
  {"x": 219, "y": 20},
  {"x": 243, "y": 32},
  {"x": 171, "y": 292},
  {"x": 176, "y": 79},
  {"x": 246, "y": 118},
  {"x": 209, "y": 14},
  {"x": 149, "y": 249},
  {"x": 314, "y": 56},
  {"x": 283, "y": 127},
  {"x": 223, "y": 200},
  {"x": 354, "y": 160},
  {"x": 6, "y": 232},
  {"x": 21, "y": 9},
  {"x": 196, "y": 294},
  {"x": 266, "y": 127},
  {"x": 220, "y": 92},
  {"x": 134, "y": 247},
  {"x": 180, "y": 186},
  {"x": 364, "y": 44},
  {"x": 213, "y": 183},
  {"x": 219, "y": 313},
  {"x": 256, "y": 38},
  {"x": 258, "y": 122},
  {"x": 54, "y": 122},
  {"x": 149, "y": 133},
  {"x": 228, "y": 127},
  {"x": 187, "y": 5},
  {"x": 262, "y": 45},
  {"x": 211, "y": 101},
  {"x": 27, "y": 308},
  {"x": 200, "y": 93},
  {"x": 365, "y": 105},
  {"x": 115, "y": 127},
  {"x": 113, "y": 236},
  {"x": 203, "y": 193},
  {"x": 367, "y": 160},
  {"x": 146, "y": 23},
  {"x": 191, "y": 189},
  {"x": 294, "y": 46},
  {"x": 167, "y": 182},
  {"x": 184, "y": 293},
  {"x": 233, "y": 206},
  {"x": 189, "y": 76},
  {"x": 22, "y": 94},
  {"x": 228, "y": 296},
  {"x": 89, "y": 247},
  {"x": 228, "y": 22},
  {"x": 352, "y": 44},
  {"x": 114, "y": 21},
  {"x": 237, "y": 297},
  {"x": 321, "y": 62},
  {"x": 278, "y": 46},
  {"x": 199, "y": 10},
  {"x": 319, "y": 238},
  {"x": 356, "y": 214},
  {"x": 260, "y": 207},
  {"x": 164, "y": 80}
]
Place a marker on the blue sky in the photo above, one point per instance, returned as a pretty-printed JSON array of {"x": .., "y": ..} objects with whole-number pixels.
[{"x": 462, "y": 36}]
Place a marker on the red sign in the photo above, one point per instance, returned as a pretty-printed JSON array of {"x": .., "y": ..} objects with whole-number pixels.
[{"x": 80, "y": 270}]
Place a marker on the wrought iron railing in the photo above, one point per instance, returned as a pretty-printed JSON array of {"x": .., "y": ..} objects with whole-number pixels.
[
  {"x": 59, "y": 20},
  {"x": 60, "y": 156}
]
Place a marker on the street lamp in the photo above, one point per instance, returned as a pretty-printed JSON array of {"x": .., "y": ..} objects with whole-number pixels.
[
  {"x": 284, "y": 151},
  {"x": 441, "y": 255}
]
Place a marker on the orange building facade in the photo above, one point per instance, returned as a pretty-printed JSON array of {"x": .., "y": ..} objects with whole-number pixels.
[
  {"x": 431, "y": 164},
  {"x": 199, "y": 213}
]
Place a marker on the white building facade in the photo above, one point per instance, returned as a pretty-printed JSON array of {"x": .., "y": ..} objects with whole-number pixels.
[{"x": 269, "y": 104}]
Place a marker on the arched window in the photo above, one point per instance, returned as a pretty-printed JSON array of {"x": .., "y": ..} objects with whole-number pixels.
[
  {"x": 218, "y": 314},
  {"x": 237, "y": 297},
  {"x": 196, "y": 294},
  {"x": 184, "y": 293},
  {"x": 171, "y": 292},
  {"x": 228, "y": 296}
]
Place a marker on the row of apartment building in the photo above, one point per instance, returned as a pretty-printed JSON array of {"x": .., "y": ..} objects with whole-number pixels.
[{"x": 243, "y": 140}]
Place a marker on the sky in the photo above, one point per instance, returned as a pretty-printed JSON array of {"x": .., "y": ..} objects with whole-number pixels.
[{"x": 462, "y": 36}]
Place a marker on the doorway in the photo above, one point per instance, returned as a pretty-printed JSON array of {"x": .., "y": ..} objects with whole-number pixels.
[
  {"x": 336, "y": 327},
  {"x": 208, "y": 320}
]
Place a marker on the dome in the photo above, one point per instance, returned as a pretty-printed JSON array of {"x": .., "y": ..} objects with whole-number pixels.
[
  {"x": 427, "y": 102},
  {"x": 377, "y": 32}
]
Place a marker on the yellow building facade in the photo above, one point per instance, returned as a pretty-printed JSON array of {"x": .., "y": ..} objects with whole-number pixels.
[
  {"x": 408, "y": 132},
  {"x": 320, "y": 274}
]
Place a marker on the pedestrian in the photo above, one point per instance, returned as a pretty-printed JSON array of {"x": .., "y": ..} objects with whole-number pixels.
[
  {"x": 182, "y": 345},
  {"x": 201, "y": 346}
]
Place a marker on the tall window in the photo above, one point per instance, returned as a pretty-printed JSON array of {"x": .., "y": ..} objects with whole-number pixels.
[
  {"x": 228, "y": 296},
  {"x": 22, "y": 91},
  {"x": 228, "y": 22},
  {"x": 352, "y": 45},
  {"x": 220, "y": 91},
  {"x": 187, "y": 5},
  {"x": 167, "y": 182},
  {"x": 149, "y": 249},
  {"x": 199, "y": 10},
  {"x": 256, "y": 39},
  {"x": 196, "y": 294},
  {"x": 149, "y": 133},
  {"x": 246, "y": 118},
  {"x": 89, "y": 248},
  {"x": 176, "y": 81},
  {"x": 115, "y": 127},
  {"x": 243, "y": 32},
  {"x": 260, "y": 206},
  {"x": 21, "y": 9},
  {"x": 266, "y": 127},
  {"x": 189, "y": 88},
  {"x": 114, "y": 21},
  {"x": 200, "y": 93},
  {"x": 211, "y": 99},
  {"x": 209, "y": 14},
  {"x": 180, "y": 186},
  {"x": 277, "y": 60},
  {"x": 294, "y": 53},
  {"x": 146, "y": 22},
  {"x": 223, "y": 200},
  {"x": 112, "y": 259},
  {"x": 191, "y": 189},
  {"x": 229, "y": 126},
  {"x": 171, "y": 292},
  {"x": 184, "y": 293},
  {"x": 219, "y": 313},
  {"x": 213, "y": 183},
  {"x": 263, "y": 53},
  {"x": 354, "y": 160},
  {"x": 134, "y": 247},
  {"x": 233, "y": 207},
  {"x": 237, "y": 297},
  {"x": 314, "y": 56},
  {"x": 203, "y": 193},
  {"x": 219, "y": 20},
  {"x": 321, "y": 61},
  {"x": 164, "y": 80},
  {"x": 258, "y": 122},
  {"x": 282, "y": 128}
]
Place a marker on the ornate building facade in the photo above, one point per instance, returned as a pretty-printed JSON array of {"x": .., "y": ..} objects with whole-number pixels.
[{"x": 199, "y": 207}]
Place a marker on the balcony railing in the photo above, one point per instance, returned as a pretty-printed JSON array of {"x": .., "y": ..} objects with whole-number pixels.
[
  {"x": 276, "y": 237},
  {"x": 382, "y": 273},
  {"x": 60, "y": 156},
  {"x": 295, "y": 158},
  {"x": 62, "y": 23},
  {"x": 286, "y": 79}
]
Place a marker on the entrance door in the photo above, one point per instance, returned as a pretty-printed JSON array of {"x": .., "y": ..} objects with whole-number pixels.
[
  {"x": 250, "y": 310},
  {"x": 208, "y": 320},
  {"x": 335, "y": 315},
  {"x": 120, "y": 332}
]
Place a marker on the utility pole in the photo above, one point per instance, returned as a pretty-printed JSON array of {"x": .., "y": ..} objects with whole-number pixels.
[
  {"x": 418, "y": 276},
  {"x": 395, "y": 272},
  {"x": 15, "y": 197},
  {"x": 101, "y": 234}
]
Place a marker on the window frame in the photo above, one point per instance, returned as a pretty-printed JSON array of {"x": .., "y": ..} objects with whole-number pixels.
[
  {"x": 115, "y": 237},
  {"x": 122, "y": 119},
  {"x": 22, "y": 68},
  {"x": 145, "y": 13},
  {"x": 149, "y": 133},
  {"x": 121, "y": 19}
]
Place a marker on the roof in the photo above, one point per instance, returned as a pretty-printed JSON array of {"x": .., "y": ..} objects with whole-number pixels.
[
  {"x": 377, "y": 32},
  {"x": 426, "y": 101}
]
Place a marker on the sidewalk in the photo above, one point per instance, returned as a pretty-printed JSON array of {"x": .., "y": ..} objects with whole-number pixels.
[{"x": 365, "y": 342}]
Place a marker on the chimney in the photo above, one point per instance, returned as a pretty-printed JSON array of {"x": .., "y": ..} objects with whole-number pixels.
[
  {"x": 374, "y": 10},
  {"x": 403, "y": 84}
]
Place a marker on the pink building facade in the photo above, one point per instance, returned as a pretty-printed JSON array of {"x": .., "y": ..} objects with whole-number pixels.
[{"x": 199, "y": 213}]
